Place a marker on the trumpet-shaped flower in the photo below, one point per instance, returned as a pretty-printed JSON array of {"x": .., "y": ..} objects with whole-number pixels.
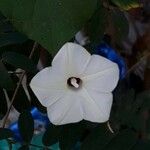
[{"x": 77, "y": 86}]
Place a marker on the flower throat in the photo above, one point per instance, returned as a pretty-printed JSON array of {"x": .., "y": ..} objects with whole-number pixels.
[{"x": 74, "y": 82}]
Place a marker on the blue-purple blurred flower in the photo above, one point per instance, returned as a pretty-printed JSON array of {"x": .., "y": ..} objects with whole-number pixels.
[{"x": 41, "y": 121}]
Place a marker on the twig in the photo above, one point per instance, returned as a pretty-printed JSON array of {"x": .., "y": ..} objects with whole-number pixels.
[
  {"x": 109, "y": 127},
  {"x": 17, "y": 88},
  {"x": 135, "y": 65},
  {"x": 14, "y": 72}
]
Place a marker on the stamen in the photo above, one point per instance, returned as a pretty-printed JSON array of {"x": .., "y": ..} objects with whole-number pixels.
[{"x": 74, "y": 82}]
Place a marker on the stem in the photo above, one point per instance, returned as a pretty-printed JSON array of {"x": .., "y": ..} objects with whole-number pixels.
[
  {"x": 17, "y": 88},
  {"x": 110, "y": 128}
]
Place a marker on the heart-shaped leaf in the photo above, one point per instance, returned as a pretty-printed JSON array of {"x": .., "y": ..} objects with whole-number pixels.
[
  {"x": 51, "y": 135},
  {"x": 19, "y": 61},
  {"x": 26, "y": 126},
  {"x": 49, "y": 22}
]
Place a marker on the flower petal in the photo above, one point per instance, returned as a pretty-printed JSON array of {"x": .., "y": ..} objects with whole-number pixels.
[
  {"x": 71, "y": 59},
  {"x": 101, "y": 74},
  {"x": 97, "y": 106},
  {"x": 48, "y": 86},
  {"x": 67, "y": 110}
]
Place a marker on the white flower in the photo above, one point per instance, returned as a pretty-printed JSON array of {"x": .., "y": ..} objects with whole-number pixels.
[{"x": 78, "y": 86}]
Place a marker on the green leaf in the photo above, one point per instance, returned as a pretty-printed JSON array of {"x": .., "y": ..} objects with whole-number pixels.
[
  {"x": 142, "y": 101},
  {"x": 49, "y": 22},
  {"x": 97, "y": 139},
  {"x": 8, "y": 35},
  {"x": 148, "y": 126},
  {"x": 120, "y": 24},
  {"x": 5, "y": 133},
  {"x": 127, "y": 4},
  {"x": 11, "y": 38},
  {"x": 5, "y": 25},
  {"x": 19, "y": 61},
  {"x": 26, "y": 126},
  {"x": 5, "y": 80},
  {"x": 97, "y": 24},
  {"x": 70, "y": 135},
  {"x": 3, "y": 104},
  {"x": 142, "y": 145},
  {"x": 126, "y": 104},
  {"x": 125, "y": 100},
  {"x": 24, "y": 147},
  {"x": 21, "y": 101},
  {"x": 122, "y": 141},
  {"x": 51, "y": 135}
]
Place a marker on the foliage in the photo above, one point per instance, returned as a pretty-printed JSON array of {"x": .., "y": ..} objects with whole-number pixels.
[
  {"x": 26, "y": 126},
  {"x": 51, "y": 23}
]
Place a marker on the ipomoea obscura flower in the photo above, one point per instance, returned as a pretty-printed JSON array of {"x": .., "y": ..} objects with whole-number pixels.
[{"x": 77, "y": 86}]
